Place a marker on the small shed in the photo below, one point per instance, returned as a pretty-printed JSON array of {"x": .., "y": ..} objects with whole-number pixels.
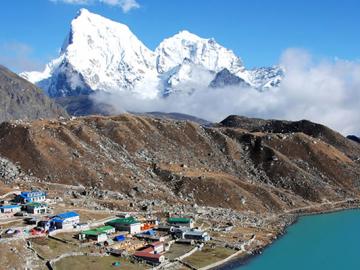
[
  {"x": 120, "y": 238},
  {"x": 44, "y": 224},
  {"x": 158, "y": 247},
  {"x": 8, "y": 209},
  {"x": 116, "y": 252}
]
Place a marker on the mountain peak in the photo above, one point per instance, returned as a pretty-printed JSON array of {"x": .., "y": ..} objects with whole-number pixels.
[
  {"x": 101, "y": 54},
  {"x": 85, "y": 13},
  {"x": 226, "y": 78},
  {"x": 185, "y": 34},
  {"x": 98, "y": 54},
  {"x": 86, "y": 25},
  {"x": 82, "y": 12},
  {"x": 201, "y": 51},
  {"x": 86, "y": 17}
]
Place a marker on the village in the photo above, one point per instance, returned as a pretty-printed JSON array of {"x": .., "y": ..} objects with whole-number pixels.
[{"x": 124, "y": 240}]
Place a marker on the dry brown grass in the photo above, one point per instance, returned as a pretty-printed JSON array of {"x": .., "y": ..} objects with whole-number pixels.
[{"x": 223, "y": 165}]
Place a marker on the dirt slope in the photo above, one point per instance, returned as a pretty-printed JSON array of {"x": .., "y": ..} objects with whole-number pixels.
[{"x": 245, "y": 166}]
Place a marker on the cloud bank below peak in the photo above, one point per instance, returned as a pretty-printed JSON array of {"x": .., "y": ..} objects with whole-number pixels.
[
  {"x": 323, "y": 91},
  {"x": 125, "y": 5}
]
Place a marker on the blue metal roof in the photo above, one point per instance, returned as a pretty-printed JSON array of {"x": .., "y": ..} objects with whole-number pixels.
[
  {"x": 10, "y": 206},
  {"x": 67, "y": 215},
  {"x": 57, "y": 220},
  {"x": 119, "y": 238},
  {"x": 32, "y": 194},
  {"x": 150, "y": 232}
]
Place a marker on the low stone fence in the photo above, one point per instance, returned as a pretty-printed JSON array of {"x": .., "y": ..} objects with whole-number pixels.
[
  {"x": 58, "y": 239},
  {"x": 191, "y": 252}
]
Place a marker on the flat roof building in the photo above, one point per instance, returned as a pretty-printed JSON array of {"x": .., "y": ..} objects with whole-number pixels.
[
  {"x": 153, "y": 253},
  {"x": 190, "y": 234},
  {"x": 181, "y": 222},
  {"x": 7, "y": 209},
  {"x": 31, "y": 196},
  {"x": 129, "y": 224},
  {"x": 150, "y": 257},
  {"x": 36, "y": 208},
  {"x": 65, "y": 220},
  {"x": 98, "y": 234},
  {"x": 196, "y": 235}
]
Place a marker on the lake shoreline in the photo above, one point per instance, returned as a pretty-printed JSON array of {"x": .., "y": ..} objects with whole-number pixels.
[{"x": 240, "y": 260}]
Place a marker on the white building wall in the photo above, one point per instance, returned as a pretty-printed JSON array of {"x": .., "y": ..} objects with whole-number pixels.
[{"x": 135, "y": 228}]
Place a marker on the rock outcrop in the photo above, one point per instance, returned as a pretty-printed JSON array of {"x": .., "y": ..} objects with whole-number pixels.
[{"x": 20, "y": 99}]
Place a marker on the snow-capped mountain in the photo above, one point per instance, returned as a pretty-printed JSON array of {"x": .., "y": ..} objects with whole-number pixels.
[
  {"x": 102, "y": 55},
  {"x": 203, "y": 52},
  {"x": 266, "y": 77},
  {"x": 185, "y": 78},
  {"x": 98, "y": 54}
]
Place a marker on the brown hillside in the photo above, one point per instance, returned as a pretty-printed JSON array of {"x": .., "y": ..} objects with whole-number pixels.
[{"x": 234, "y": 166}]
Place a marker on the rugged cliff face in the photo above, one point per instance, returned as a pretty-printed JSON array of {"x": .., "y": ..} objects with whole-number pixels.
[
  {"x": 19, "y": 99},
  {"x": 241, "y": 163}
]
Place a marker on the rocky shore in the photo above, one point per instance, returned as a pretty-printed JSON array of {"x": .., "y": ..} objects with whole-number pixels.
[{"x": 234, "y": 262}]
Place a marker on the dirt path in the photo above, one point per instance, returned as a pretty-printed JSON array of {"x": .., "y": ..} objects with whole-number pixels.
[
  {"x": 313, "y": 206},
  {"x": 232, "y": 256},
  {"x": 13, "y": 192}
]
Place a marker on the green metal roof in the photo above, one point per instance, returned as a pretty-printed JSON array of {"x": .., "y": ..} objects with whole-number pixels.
[
  {"x": 125, "y": 221},
  {"x": 36, "y": 204},
  {"x": 98, "y": 231},
  {"x": 179, "y": 220}
]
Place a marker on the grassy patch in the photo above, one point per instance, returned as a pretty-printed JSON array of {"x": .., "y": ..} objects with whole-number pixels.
[
  {"x": 96, "y": 263},
  {"x": 50, "y": 248},
  {"x": 70, "y": 237},
  {"x": 208, "y": 256},
  {"x": 177, "y": 250}
]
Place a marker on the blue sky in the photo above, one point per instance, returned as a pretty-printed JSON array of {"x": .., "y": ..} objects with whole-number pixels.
[{"x": 32, "y": 31}]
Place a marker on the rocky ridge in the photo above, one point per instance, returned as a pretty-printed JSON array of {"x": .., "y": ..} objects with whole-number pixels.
[
  {"x": 19, "y": 99},
  {"x": 242, "y": 164}
]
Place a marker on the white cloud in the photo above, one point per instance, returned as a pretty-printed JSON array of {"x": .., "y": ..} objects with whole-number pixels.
[
  {"x": 327, "y": 92},
  {"x": 17, "y": 56},
  {"x": 125, "y": 5}
]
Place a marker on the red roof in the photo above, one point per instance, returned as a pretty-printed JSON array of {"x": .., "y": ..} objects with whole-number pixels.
[
  {"x": 143, "y": 254},
  {"x": 157, "y": 243},
  {"x": 147, "y": 249}
]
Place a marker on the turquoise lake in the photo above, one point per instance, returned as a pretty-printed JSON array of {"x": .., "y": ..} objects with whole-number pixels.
[{"x": 329, "y": 241}]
